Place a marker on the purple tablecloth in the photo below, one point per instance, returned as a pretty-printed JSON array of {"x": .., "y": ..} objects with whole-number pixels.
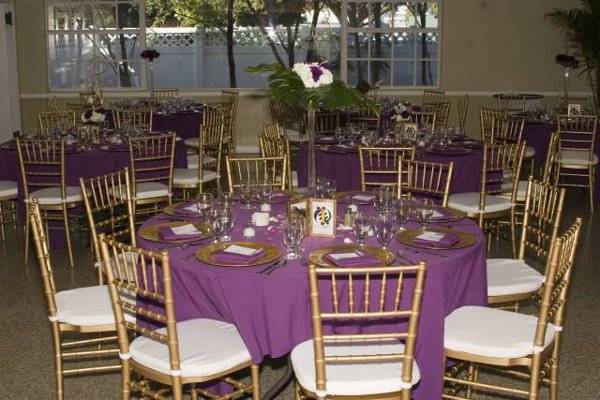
[
  {"x": 81, "y": 164},
  {"x": 345, "y": 169},
  {"x": 272, "y": 312},
  {"x": 185, "y": 124}
]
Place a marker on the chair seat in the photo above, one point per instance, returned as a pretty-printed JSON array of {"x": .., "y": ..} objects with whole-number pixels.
[
  {"x": 86, "y": 306},
  {"x": 491, "y": 332},
  {"x": 469, "y": 203},
  {"x": 192, "y": 142},
  {"x": 148, "y": 190},
  {"x": 351, "y": 379},
  {"x": 529, "y": 152},
  {"x": 576, "y": 157},
  {"x": 293, "y": 135},
  {"x": 182, "y": 176},
  {"x": 52, "y": 195},
  {"x": 506, "y": 276},
  {"x": 8, "y": 189},
  {"x": 206, "y": 347},
  {"x": 192, "y": 161},
  {"x": 521, "y": 191}
]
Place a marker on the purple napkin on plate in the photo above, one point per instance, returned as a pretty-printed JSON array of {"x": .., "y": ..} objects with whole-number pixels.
[
  {"x": 225, "y": 257},
  {"x": 445, "y": 215},
  {"x": 166, "y": 233},
  {"x": 361, "y": 259},
  {"x": 448, "y": 240}
]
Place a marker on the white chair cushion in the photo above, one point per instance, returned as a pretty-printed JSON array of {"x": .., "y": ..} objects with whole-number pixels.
[
  {"x": 576, "y": 157},
  {"x": 491, "y": 332},
  {"x": 85, "y": 306},
  {"x": 351, "y": 379},
  {"x": 52, "y": 195},
  {"x": 206, "y": 347},
  {"x": 469, "y": 202},
  {"x": 182, "y": 176},
  {"x": 192, "y": 161},
  {"x": 521, "y": 191},
  {"x": 293, "y": 134},
  {"x": 8, "y": 189},
  {"x": 192, "y": 142},
  {"x": 148, "y": 190},
  {"x": 506, "y": 276},
  {"x": 529, "y": 152}
]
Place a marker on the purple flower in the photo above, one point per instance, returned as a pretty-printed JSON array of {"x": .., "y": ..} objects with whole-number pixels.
[{"x": 316, "y": 73}]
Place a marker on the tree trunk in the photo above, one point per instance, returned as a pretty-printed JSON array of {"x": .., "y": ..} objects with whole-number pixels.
[
  {"x": 426, "y": 77},
  {"x": 124, "y": 74},
  {"x": 263, "y": 30},
  {"x": 311, "y": 53},
  {"x": 230, "y": 44}
]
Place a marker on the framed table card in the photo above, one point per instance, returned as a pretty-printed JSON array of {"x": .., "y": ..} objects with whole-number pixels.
[{"x": 322, "y": 217}]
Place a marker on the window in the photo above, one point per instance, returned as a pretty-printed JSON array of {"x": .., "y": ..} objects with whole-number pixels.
[
  {"x": 209, "y": 43},
  {"x": 391, "y": 43}
]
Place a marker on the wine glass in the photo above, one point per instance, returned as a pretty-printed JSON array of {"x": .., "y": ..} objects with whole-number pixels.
[
  {"x": 266, "y": 192},
  {"x": 292, "y": 238},
  {"x": 246, "y": 194},
  {"x": 362, "y": 226},
  {"x": 425, "y": 212},
  {"x": 403, "y": 213},
  {"x": 204, "y": 201},
  {"x": 384, "y": 231}
]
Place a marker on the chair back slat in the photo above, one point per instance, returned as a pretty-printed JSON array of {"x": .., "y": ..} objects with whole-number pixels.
[
  {"x": 379, "y": 165},
  {"x": 432, "y": 96},
  {"x": 358, "y": 295},
  {"x": 151, "y": 159},
  {"x": 264, "y": 171},
  {"x": 164, "y": 94},
  {"x": 135, "y": 117},
  {"x": 577, "y": 132},
  {"x": 424, "y": 178},
  {"x": 442, "y": 111},
  {"x": 42, "y": 164},
  {"x": 424, "y": 119},
  {"x": 486, "y": 118},
  {"x": 550, "y": 165},
  {"x": 62, "y": 120}
]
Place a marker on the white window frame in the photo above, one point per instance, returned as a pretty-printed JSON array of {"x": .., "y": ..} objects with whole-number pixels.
[
  {"x": 345, "y": 30},
  {"x": 140, "y": 31}
]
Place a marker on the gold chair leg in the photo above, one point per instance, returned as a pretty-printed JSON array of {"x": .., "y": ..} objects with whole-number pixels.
[
  {"x": 296, "y": 390},
  {"x": 176, "y": 388},
  {"x": 591, "y": 188},
  {"x": 26, "y": 233},
  {"x": 513, "y": 237},
  {"x": 554, "y": 381},
  {"x": 125, "y": 380},
  {"x": 58, "y": 365},
  {"x": 193, "y": 393},
  {"x": 470, "y": 378},
  {"x": 254, "y": 372},
  {"x": 2, "y": 222},
  {"x": 68, "y": 234}
]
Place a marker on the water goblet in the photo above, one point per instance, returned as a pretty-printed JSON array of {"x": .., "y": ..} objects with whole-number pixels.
[
  {"x": 403, "y": 213},
  {"x": 384, "y": 231},
  {"x": 362, "y": 227},
  {"x": 292, "y": 238},
  {"x": 425, "y": 212},
  {"x": 223, "y": 225},
  {"x": 246, "y": 195},
  {"x": 204, "y": 201}
]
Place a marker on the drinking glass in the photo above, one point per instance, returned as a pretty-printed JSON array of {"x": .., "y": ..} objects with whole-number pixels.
[
  {"x": 246, "y": 195},
  {"x": 384, "y": 231},
  {"x": 204, "y": 201},
  {"x": 403, "y": 213},
  {"x": 425, "y": 212},
  {"x": 266, "y": 192},
  {"x": 223, "y": 225},
  {"x": 224, "y": 201},
  {"x": 292, "y": 238},
  {"x": 362, "y": 226}
]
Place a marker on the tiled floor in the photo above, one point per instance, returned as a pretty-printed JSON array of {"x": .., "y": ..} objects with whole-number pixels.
[{"x": 26, "y": 369}]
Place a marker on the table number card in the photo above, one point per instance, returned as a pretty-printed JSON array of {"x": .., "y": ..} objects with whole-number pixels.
[{"x": 322, "y": 217}]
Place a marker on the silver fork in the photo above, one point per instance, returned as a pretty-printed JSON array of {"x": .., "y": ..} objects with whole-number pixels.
[{"x": 281, "y": 264}]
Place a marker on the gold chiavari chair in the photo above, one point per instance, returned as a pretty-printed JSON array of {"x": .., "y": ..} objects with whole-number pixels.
[
  {"x": 182, "y": 353},
  {"x": 133, "y": 118},
  {"x": 442, "y": 111},
  {"x": 499, "y": 183},
  {"x": 78, "y": 109},
  {"x": 151, "y": 164},
  {"x": 212, "y": 117},
  {"x": 107, "y": 200},
  {"x": 42, "y": 165},
  {"x": 326, "y": 122},
  {"x": 379, "y": 165},
  {"x": 550, "y": 165},
  {"x": 462, "y": 109},
  {"x": 84, "y": 314},
  {"x": 513, "y": 280},
  {"x": 424, "y": 119},
  {"x": 364, "y": 117},
  {"x": 512, "y": 132},
  {"x": 423, "y": 178},
  {"x": 229, "y": 104},
  {"x": 48, "y": 120},
  {"x": 486, "y": 118},
  {"x": 585, "y": 102},
  {"x": 382, "y": 365},
  {"x": 265, "y": 171},
  {"x": 164, "y": 94},
  {"x": 287, "y": 119},
  {"x": 9, "y": 193},
  {"x": 525, "y": 347},
  {"x": 576, "y": 158},
  {"x": 204, "y": 167},
  {"x": 274, "y": 144},
  {"x": 52, "y": 104},
  {"x": 431, "y": 96}
]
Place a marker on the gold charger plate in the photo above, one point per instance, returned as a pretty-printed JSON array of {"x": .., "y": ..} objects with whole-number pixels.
[
  {"x": 407, "y": 237},
  {"x": 205, "y": 253},
  {"x": 171, "y": 210},
  {"x": 318, "y": 256},
  {"x": 152, "y": 232}
]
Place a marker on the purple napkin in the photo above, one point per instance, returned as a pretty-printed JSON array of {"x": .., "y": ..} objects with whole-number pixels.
[
  {"x": 225, "y": 257},
  {"x": 448, "y": 240},
  {"x": 186, "y": 213},
  {"x": 445, "y": 215},
  {"x": 166, "y": 233},
  {"x": 363, "y": 259}
]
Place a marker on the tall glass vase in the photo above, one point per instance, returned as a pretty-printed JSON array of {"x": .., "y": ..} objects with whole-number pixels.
[{"x": 310, "y": 133}]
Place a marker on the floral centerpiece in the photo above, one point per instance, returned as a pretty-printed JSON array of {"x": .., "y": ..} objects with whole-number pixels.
[
  {"x": 92, "y": 117},
  {"x": 312, "y": 86}
]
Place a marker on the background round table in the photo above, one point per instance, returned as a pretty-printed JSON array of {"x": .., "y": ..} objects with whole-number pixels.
[
  {"x": 272, "y": 312},
  {"x": 344, "y": 168},
  {"x": 186, "y": 123}
]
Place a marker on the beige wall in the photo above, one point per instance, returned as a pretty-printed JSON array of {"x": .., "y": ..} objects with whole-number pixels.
[{"x": 488, "y": 46}]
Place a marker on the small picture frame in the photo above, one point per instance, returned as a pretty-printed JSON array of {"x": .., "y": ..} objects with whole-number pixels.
[
  {"x": 574, "y": 109},
  {"x": 322, "y": 217}
]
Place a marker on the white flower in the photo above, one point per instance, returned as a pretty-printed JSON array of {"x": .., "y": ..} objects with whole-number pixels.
[
  {"x": 313, "y": 75},
  {"x": 97, "y": 117},
  {"x": 353, "y": 208}
]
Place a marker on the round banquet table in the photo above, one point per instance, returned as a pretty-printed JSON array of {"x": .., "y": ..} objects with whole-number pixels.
[
  {"x": 186, "y": 123},
  {"x": 272, "y": 312},
  {"x": 344, "y": 168}
]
